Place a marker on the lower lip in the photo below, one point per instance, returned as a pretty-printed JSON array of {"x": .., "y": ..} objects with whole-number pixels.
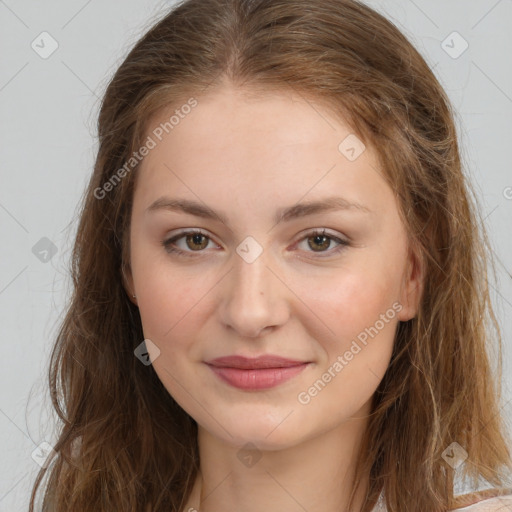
[{"x": 264, "y": 378}]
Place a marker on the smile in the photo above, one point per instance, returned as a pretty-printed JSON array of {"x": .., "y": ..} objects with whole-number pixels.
[{"x": 255, "y": 379}]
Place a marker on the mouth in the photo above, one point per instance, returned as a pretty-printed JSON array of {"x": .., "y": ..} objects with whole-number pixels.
[{"x": 262, "y": 372}]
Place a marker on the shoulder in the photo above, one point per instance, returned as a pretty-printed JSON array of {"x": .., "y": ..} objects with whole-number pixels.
[{"x": 494, "y": 504}]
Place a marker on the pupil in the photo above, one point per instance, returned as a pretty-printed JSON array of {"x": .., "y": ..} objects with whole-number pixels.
[
  {"x": 196, "y": 240},
  {"x": 318, "y": 240}
]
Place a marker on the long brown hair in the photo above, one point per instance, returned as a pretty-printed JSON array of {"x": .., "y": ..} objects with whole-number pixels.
[{"x": 123, "y": 442}]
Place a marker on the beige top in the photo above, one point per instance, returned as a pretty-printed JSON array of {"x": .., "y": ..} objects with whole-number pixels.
[
  {"x": 496, "y": 504},
  {"x": 500, "y": 503}
]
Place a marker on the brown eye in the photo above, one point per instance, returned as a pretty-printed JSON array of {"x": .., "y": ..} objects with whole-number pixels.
[
  {"x": 320, "y": 241},
  {"x": 194, "y": 240}
]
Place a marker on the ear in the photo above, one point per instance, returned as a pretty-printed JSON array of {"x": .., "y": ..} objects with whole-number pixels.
[
  {"x": 127, "y": 280},
  {"x": 412, "y": 285}
]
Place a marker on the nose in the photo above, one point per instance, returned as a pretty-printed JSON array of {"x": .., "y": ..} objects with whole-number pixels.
[{"x": 254, "y": 298}]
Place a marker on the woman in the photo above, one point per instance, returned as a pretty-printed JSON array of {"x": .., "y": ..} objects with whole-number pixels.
[{"x": 280, "y": 292}]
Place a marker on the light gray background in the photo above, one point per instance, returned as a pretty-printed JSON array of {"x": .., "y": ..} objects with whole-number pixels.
[{"x": 48, "y": 110}]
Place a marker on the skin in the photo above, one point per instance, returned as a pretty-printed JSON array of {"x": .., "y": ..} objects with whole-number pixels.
[{"x": 247, "y": 155}]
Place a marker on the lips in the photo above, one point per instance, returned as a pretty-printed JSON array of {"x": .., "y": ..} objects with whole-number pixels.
[
  {"x": 246, "y": 363},
  {"x": 256, "y": 373}
]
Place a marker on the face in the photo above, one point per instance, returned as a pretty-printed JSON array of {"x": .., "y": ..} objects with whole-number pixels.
[{"x": 322, "y": 287}]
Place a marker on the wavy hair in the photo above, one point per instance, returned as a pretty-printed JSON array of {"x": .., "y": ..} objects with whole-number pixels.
[{"x": 123, "y": 442}]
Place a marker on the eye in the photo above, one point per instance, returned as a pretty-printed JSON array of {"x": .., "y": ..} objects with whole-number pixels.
[
  {"x": 196, "y": 241},
  {"x": 319, "y": 239}
]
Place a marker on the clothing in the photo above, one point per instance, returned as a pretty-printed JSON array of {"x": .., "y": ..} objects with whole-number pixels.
[
  {"x": 501, "y": 504},
  {"x": 497, "y": 504}
]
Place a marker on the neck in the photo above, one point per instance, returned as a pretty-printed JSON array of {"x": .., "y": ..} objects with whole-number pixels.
[{"x": 314, "y": 475}]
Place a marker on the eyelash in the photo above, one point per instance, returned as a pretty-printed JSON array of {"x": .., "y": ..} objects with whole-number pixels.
[{"x": 168, "y": 244}]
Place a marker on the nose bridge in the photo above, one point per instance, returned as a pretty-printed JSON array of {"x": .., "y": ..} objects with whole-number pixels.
[{"x": 254, "y": 299}]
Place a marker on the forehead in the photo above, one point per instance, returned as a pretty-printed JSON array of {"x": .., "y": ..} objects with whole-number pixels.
[
  {"x": 226, "y": 116},
  {"x": 254, "y": 145}
]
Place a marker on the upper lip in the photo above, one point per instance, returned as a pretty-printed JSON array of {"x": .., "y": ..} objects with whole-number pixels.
[{"x": 251, "y": 363}]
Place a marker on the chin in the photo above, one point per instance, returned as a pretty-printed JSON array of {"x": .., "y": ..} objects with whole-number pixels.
[{"x": 263, "y": 433}]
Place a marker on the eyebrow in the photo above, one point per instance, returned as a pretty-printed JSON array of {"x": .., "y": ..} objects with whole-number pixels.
[{"x": 282, "y": 215}]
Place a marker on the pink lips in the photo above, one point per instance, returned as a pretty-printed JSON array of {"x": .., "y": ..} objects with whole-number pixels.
[{"x": 255, "y": 373}]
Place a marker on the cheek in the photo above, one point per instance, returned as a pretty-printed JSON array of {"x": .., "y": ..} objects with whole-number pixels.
[
  {"x": 167, "y": 304},
  {"x": 361, "y": 310},
  {"x": 354, "y": 300},
  {"x": 166, "y": 296},
  {"x": 170, "y": 311}
]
